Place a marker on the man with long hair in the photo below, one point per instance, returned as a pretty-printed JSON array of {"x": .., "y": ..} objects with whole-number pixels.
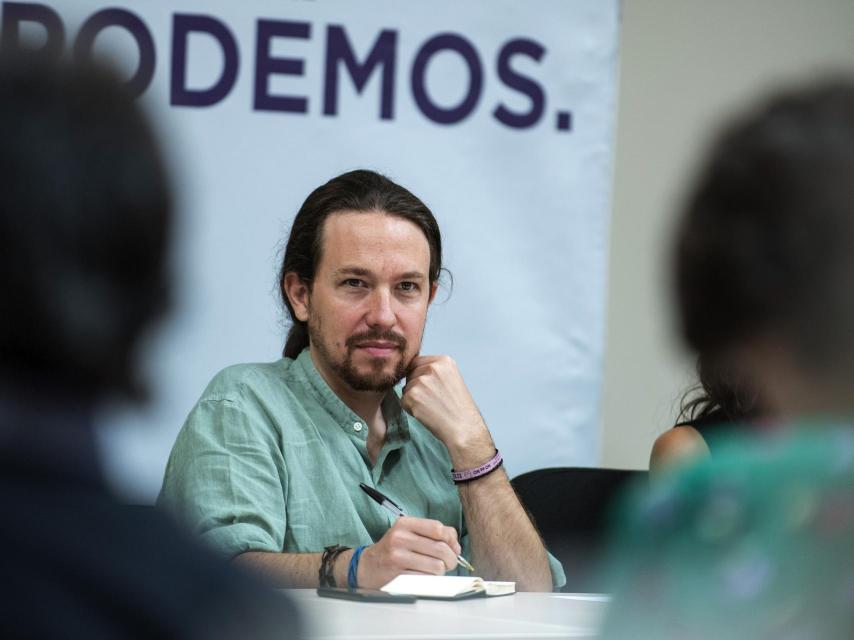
[{"x": 269, "y": 463}]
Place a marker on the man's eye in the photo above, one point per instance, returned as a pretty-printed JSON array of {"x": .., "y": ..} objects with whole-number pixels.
[
  {"x": 354, "y": 282},
  {"x": 409, "y": 286}
]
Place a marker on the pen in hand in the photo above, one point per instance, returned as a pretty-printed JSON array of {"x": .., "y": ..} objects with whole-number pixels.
[{"x": 389, "y": 505}]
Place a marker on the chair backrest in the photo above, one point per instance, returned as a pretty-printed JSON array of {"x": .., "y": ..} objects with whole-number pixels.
[{"x": 571, "y": 507}]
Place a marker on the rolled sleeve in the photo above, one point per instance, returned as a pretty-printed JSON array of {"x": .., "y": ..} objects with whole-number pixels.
[
  {"x": 558, "y": 576},
  {"x": 226, "y": 478}
]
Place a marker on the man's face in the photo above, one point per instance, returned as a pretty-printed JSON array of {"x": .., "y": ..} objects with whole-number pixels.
[{"x": 368, "y": 303}]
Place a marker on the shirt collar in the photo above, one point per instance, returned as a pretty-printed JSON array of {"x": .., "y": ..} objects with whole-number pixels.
[{"x": 397, "y": 421}]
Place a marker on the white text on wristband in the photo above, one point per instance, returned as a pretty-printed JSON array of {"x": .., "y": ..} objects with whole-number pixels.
[{"x": 487, "y": 467}]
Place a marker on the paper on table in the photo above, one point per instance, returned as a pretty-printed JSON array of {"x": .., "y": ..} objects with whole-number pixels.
[{"x": 447, "y": 586}]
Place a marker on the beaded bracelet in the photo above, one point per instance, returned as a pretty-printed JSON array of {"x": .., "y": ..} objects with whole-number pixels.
[
  {"x": 326, "y": 574},
  {"x": 478, "y": 472}
]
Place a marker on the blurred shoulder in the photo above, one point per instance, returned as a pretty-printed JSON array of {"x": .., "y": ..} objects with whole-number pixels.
[{"x": 677, "y": 447}]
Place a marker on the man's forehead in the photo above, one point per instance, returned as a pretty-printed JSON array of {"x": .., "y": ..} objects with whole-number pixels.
[{"x": 373, "y": 241}]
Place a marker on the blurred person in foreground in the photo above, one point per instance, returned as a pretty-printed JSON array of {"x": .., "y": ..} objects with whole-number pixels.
[
  {"x": 85, "y": 227},
  {"x": 758, "y": 541}
]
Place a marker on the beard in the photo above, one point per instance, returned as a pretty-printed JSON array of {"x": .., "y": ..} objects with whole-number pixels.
[{"x": 377, "y": 379}]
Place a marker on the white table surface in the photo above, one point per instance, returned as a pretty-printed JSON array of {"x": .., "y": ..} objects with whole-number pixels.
[{"x": 521, "y": 616}]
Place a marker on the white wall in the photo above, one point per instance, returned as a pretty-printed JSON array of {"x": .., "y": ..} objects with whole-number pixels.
[{"x": 685, "y": 64}]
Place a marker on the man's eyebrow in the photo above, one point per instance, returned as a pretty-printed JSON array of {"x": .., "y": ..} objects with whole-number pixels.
[
  {"x": 352, "y": 271},
  {"x": 361, "y": 271}
]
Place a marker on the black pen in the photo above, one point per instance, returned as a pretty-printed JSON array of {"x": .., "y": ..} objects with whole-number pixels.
[{"x": 391, "y": 506}]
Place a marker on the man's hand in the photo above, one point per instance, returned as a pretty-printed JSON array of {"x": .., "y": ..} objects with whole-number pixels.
[
  {"x": 436, "y": 395},
  {"x": 412, "y": 545}
]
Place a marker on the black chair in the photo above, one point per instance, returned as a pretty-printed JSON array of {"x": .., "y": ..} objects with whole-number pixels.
[{"x": 571, "y": 507}]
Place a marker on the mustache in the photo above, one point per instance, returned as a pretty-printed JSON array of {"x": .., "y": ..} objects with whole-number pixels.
[{"x": 386, "y": 336}]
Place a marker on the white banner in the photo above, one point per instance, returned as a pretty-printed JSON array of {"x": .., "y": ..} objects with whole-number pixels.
[{"x": 498, "y": 114}]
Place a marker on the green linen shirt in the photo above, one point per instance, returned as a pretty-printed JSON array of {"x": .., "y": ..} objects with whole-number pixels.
[{"x": 270, "y": 459}]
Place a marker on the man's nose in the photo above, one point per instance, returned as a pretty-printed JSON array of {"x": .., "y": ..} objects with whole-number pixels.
[{"x": 380, "y": 312}]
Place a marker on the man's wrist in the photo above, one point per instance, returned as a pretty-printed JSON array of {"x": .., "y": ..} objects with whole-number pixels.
[
  {"x": 329, "y": 574},
  {"x": 462, "y": 476},
  {"x": 363, "y": 571},
  {"x": 342, "y": 564},
  {"x": 471, "y": 453}
]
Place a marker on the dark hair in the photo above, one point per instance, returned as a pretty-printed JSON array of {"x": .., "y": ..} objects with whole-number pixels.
[
  {"x": 722, "y": 393},
  {"x": 766, "y": 242},
  {"x": 359, "y": 190},
  {"x": 85, "y": 213}
]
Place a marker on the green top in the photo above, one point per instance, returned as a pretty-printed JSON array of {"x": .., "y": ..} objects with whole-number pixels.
[
  {"x": 270, "y": 459},
  {"x": 756, "y": 542}
]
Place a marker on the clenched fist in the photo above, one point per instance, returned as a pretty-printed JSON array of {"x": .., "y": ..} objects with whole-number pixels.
[{"x": 436, "y": 395}]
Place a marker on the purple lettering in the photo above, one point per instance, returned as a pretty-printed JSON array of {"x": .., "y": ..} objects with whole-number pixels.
[
  {"x": 450, "y": 42},
  {"x": 14, "y": 13},
  {"x": 265, "y": 65},
  {"x": 520, "y": 83},
  {"x": 99, "y": 21},
  {"x": 180, "y": 95},
  {"x": 338, "y": 49}
]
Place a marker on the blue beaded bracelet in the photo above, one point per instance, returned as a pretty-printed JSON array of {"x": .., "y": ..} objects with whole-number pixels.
[{"x": 352, "y": 583}]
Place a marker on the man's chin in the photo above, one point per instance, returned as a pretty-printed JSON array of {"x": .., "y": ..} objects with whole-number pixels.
[
  {"x": 379, "y": 384},
  {"x": 373, "y": 378}
]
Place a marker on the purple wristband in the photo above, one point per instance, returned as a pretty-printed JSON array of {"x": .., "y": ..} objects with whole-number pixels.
[{"x": 478, "y": 472}]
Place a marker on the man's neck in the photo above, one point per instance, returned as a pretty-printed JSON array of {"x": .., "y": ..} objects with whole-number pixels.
[{"x": 365, "y": 404}]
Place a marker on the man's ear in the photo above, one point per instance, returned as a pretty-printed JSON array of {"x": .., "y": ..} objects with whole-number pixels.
[
  {"x": 298, "y": 295},
  {"x": 433, "y": 289}
]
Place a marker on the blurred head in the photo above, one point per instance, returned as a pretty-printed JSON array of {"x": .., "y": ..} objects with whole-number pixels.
[
  {"x": 765, "y": 251},
  {"x": 85, "y": 213},
  {"x": 360, "y": 268}
]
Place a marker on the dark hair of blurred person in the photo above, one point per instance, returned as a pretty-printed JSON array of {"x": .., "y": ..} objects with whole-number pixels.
[
  {"x": 758, "y": 541},
  {"x": 717, "y": 395},
  {"x": 85, "y": 219},
  {"x": 359, "y": 190},
  {"x": 720, "y": 402},
  {"x": 765, "y": 253}
]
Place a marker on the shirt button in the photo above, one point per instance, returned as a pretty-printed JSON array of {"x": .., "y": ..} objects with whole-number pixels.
[{"x": 357, "y": 427}]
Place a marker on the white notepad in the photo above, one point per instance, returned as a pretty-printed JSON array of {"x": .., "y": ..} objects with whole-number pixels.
[{"x": 448, "y": 587}]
